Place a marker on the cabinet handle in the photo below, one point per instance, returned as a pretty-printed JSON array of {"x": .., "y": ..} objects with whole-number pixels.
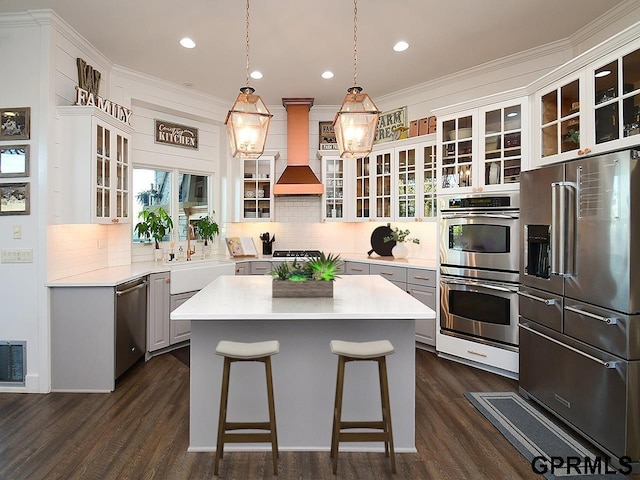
[
  {"x": 115, "y": 220},
  {"x": 389, "y": 274},
  {"x": 480, "y": 354},
  {"x": 420, "y": 277},
  {"x": 356, "y": 269}
]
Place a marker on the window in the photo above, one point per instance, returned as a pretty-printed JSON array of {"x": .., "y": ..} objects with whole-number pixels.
[{"x": 188, "y": 199}]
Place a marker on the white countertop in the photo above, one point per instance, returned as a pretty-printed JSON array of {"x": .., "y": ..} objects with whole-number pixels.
[
  {"x": 112, "y": 276},
  {"x": 248, "y": 297}
]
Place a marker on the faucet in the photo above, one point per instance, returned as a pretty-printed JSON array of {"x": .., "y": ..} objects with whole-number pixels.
[{"x": 190, "y": 235}]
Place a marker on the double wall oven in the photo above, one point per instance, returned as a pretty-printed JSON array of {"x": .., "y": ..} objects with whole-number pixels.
[{"x": 479, "y": 263}]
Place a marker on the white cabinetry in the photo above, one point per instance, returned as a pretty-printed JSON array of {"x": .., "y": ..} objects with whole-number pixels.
[
  {"x": 257, "y": 188},
  {"x": 483, "y": 148},
  {"x": 94, "y": 174},
  {"x": 421, "y": 284},
  {"x": 335, "y": 200},
  {"x": 591, "y": 104}
]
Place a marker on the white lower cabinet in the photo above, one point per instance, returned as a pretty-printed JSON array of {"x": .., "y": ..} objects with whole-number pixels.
[{"x": 179, "y": 330}]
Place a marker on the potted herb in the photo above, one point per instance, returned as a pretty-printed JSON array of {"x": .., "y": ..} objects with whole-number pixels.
[
  {"x": 155, "y": 224},
  {"x": 312, "y": 278},
  {"x": 207, "y": 228},
  {"x": 400, "y": 250}
]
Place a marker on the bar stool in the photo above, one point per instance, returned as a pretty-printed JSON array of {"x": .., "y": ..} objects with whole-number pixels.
[
  {"x": 246, "y": 352},
  {"x": 362, "y": 351}
]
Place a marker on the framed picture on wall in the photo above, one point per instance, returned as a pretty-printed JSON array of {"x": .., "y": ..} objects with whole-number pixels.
[
  {"x": 14, "y": 123},
  {"x": 14, "y": 160},
  {"x": 14, "y": 198}
]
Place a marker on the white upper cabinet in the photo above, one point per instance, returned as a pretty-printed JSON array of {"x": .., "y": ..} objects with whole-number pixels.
[
  {"x": 336, "y": 203},
  {"x": 93, "y": 180},
  {"x": 482, "y": 148},
  {"x": 591, "y": 104},
  {"x": 257, "y": 188}
]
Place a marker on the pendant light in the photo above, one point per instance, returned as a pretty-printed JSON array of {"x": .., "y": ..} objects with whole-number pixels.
[
  {"x": 357, "y": 120},
  {"x": 248, "y": 120}
]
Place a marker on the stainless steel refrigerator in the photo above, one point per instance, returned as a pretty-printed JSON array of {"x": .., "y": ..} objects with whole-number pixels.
[{"x": 579, "y": 299}]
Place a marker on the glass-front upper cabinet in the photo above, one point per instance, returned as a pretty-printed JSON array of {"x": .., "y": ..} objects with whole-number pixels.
[
  {"x": 363, "y": 188},
  {"x": 503, "y": 143},
  {"x": 333, "y": 179},
  {"x": 383, "y": 180},
  {"x": 406, "y": 176},
  {"x": 257, "y": 188},
  {"x": 457, "y": 149},
  {"x": 429, "y": 181},
  {"x": 591, "y": 107},
  {"x": 616, "y": 99}
]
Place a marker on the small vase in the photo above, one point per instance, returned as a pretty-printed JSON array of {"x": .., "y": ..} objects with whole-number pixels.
[
  {"x": 400, "y": 250},
  {"x": 157, "y": 254}
]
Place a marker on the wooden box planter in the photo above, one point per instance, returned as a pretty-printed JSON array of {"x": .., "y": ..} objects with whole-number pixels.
[{"x": 310, "y": 288}]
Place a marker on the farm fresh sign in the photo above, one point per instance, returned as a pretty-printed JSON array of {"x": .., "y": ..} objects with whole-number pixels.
[{"x": 388, "y": 123}]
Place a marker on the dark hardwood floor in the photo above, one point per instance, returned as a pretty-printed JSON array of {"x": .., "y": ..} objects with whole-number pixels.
[{"x": 141, "y": 430}]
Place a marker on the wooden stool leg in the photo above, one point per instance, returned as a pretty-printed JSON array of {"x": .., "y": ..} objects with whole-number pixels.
[
  {"x": 337, "y": 414},
  {"x": 272, "y": 415},
  {"x": 222, "y": 418},
  {"x": 386, "y": 410}
]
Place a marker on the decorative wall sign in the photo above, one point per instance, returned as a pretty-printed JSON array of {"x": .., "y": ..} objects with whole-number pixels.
[
  {"x": 14, "y": 123},
  {"x": 14, "y": 199},
  {"x": 14, "y": 161},
  {"x": 327, "y": 137},
  {"x": 87, "y": 93},
  {"x": 388, "y": 123},
  {"x": 177, "y": 135}
]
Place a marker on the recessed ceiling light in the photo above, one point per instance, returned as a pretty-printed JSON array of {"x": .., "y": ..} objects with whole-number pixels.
[
  {"x": 401, "y": 46},
  {"x": 256, "y": 75},
  {"x": 603, "y": 73},
  {"x": 327, "y": 74},
  {"x": 186, "y": 42}
]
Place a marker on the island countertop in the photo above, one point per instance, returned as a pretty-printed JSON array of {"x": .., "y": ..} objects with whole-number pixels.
[{"x": 249, "y": 298}]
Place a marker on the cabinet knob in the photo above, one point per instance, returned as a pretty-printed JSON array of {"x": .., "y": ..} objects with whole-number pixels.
[
  {"x": 587, "y": 151},
  {"x": 115, "y": 220},
  {"x": 167, "y": 280},
  {"x": 580, "y": 152}
]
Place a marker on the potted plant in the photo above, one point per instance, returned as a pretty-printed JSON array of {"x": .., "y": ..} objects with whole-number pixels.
[
  {"x": 312, "y": 278},
  {"x": 154, "y": 224},
  {"x": 400, "y": 250},
  {"x": 207, "y": 229}
]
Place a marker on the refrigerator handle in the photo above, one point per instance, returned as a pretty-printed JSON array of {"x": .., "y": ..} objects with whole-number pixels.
[{"x": 563, "y": 228}]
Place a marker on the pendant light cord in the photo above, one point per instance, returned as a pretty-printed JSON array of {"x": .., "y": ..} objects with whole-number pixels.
[
  {"x": 247, "y": 47},
  {"x": 355, "y": 42}
]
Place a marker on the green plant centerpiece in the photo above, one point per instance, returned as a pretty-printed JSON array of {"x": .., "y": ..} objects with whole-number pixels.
[
  {"x": 155, "y": 224},
  {"x": 311, "y": 278},
  {"x": 400, "y": 250},
  {"x": 207, "y": 229}
]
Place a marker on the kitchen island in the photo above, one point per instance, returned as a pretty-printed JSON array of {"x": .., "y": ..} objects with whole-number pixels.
[{"x": 241, "y": 308}]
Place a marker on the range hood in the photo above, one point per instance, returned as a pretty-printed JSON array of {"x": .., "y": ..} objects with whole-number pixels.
[{"x": 297, "y": 177}]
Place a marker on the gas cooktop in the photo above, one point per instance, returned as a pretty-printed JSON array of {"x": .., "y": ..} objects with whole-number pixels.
[{"x": 295, "y": 253}]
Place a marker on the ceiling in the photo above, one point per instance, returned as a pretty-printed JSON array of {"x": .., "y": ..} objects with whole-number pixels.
[{"x": 293, "y": 41}]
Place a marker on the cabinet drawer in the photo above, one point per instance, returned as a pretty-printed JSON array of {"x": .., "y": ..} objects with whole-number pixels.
[
  {"x": 260, "y": 268},
  {"x": 355, "y": 268},
  {"x": 418, "y": 276},
  {"x": 394, "y": 274}
]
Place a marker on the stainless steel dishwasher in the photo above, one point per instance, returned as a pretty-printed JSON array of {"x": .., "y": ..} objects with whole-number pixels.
[{"x": 131, "y": 323}]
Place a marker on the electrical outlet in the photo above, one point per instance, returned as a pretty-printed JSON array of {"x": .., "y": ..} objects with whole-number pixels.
[
  {"x": 17, "y": 231},
  {"x": 17, "y": 255}
]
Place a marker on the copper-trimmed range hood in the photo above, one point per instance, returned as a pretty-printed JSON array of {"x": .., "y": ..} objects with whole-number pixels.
[{"x": 297, "y": 177}]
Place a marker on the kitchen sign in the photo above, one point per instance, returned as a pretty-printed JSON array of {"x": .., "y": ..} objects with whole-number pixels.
[
  {"x": 176, "y": 135},
  {"x": 87, "y": 93},
  {"x": 389, "y": 123}
]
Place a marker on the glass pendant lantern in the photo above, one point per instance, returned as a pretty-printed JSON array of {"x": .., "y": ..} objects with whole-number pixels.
[
  {"x": 356, "y": 122},
  {"x": 248, "y": 120}
]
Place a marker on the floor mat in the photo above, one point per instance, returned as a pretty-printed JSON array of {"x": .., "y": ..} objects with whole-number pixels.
[{"x": 551, "y": 451}]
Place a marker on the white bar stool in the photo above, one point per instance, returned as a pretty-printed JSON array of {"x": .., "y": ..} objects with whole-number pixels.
[
  {"x": 362, "y": 351},
  {"x": 246, "y": 352}
]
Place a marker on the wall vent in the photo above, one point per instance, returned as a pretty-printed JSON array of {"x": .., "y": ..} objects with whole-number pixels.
[{"x": 12, "y": 363}]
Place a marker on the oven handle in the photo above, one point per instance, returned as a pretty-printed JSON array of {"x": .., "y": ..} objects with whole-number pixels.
[
  {"x": 607, "y": 320},
  {"x": 477, "y": 284},
  {"x": 480, "y": 215},
  {"x": 546, "y": 301},
  {"x": 575, "y": 350}
]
